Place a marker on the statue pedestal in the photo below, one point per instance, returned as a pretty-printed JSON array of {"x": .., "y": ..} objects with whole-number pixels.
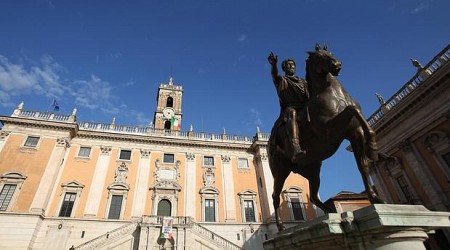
[{"x": 379, "y": 226}]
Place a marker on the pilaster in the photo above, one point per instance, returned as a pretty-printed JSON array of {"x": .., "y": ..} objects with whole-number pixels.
[
  {"x": 228, "y": 189},
  {"x": 190, "y": 187},
  {"x": 140, "y": 196},
  {"x": 423, "y": 174},
  {"x": 99, "y": 178},
  {"x": 48, "y": 179}
]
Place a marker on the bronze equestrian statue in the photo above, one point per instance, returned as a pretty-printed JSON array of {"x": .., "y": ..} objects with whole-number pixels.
[{"x": 324, "y": 120}]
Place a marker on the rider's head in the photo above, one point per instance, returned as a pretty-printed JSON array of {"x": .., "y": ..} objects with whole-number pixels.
[{"x": 288, "y": 66}]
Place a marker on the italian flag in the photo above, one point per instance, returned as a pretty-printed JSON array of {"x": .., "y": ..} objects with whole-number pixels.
[{"x": 175, "y": 123}]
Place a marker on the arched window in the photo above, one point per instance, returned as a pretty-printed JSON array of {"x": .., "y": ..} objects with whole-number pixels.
[
  {"x": 164, "y": 208},
  {"x": 169, "y": 102},
  {"x": 167, "y": 125}
]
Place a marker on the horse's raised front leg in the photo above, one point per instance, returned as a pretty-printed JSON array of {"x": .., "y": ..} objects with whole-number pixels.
[
  {"x": 358, "y": 142},
  {"x": 278, "y": 184},
  {"x": 312, "y": 173}
]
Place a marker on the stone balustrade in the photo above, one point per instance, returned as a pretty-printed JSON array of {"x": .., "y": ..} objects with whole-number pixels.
[
  {"x": 49, "y": 116},
  {"x": 438, "y": 61},
  {"x": 109, "y": 236},
  {"x": 208, "y": 234}
]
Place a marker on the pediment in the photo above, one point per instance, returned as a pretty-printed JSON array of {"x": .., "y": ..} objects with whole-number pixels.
[
  {"x": 13, "y": 175},
  {"x": 72, "y": 184}
]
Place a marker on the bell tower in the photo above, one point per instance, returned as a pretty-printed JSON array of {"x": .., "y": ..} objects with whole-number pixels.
[{"x": 168, "y": 106}]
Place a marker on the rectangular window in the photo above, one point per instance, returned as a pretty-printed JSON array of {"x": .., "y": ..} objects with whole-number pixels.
[
  {"x": 125, "y": 155},
  {"x": 242, "y": 163},
  {"x": 297, "y": 209},
  {"x": 115, "y": 207},
  {"x": 31, "y": 141},
  {"x": 169, "y": 158},
  {"x": 67, "y": 205},
  {"x": 210, "y": 210},
  {"x": 84, "y": 152},
  {"x": 249, "y": 211},
  {"x": 208, "y": 161},
  {"x": 6, "y": 196}
]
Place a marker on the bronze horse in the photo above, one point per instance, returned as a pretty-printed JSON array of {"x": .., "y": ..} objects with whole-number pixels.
[{"x": 330, "y": 116}]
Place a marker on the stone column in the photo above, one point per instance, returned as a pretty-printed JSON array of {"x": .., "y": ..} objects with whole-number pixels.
[
  {"x": 48, "y": 179},
  {"x": 190, "y": 192},
  {"x": 99, "y": 178},
  {"x": 423, "y": 174},
  {"x": 228, "y": 189},
  {"x": 140, "y": 196}
]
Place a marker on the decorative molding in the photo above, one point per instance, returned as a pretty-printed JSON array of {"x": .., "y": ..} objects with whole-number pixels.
[
  {"x": 145, "y": 153},
  {"x": 62, "y": 142},
  {"x": 263, "y": 156},
  {"x": 105, "y": 150},
  {"x": 436, "y": 141},
  {"x": 121, "y": 173},
  {"x": 209, "y": 178},
  {"x": 4, "y": 134},
  {"x": 167, "y": 172},
  {"x": 190, "y": 156},
  {"x": 226, "y": 158}
]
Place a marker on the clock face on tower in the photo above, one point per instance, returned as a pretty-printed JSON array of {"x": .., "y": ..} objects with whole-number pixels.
[{"x": 168, "y": 113}]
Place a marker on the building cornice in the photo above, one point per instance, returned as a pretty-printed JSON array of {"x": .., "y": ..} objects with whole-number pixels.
[{"x": 48, "y": 124}]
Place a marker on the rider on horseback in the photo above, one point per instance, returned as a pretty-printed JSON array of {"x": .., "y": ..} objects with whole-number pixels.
[{"x": 292, "y": 93}]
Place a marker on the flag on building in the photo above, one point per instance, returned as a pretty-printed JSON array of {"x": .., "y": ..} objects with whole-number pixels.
[
  {"x": 55, "y": 105},
  {"x": 166, "y": 229}
]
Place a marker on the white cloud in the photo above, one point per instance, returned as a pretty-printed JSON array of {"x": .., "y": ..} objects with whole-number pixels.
[
  {"x": 421, "y": 7},
  {"x": 242, "y": 38},
  {"x": 17, "y": 79},
  {"x": 44, "y": 78}
]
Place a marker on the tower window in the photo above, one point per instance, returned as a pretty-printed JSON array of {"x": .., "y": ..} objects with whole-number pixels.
[
  {"x": 167, "y": 125},
  {"x": 169, "y": 102}
]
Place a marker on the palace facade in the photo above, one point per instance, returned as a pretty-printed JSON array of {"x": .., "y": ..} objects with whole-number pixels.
[
  {"x": 413, "y": 135},
  {"x": 83, "y": 185}
]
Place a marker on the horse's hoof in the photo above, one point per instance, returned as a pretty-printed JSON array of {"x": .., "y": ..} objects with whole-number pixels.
[{"x": 280, "y": 227}]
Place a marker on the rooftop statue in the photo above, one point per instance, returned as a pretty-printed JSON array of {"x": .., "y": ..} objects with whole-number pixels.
[{"x": 316, "y": 116}]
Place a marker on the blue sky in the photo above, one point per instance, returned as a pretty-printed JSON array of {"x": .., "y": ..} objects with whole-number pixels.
[{"x": 107, "y": 58}]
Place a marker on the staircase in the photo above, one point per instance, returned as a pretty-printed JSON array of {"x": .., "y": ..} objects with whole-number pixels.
[
  {"x": 108, "y": 237},
  {"x": 214, "y": 238}
]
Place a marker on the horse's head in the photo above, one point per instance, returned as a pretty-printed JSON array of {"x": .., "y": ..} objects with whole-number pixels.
[{"x": 321, "y": 61}]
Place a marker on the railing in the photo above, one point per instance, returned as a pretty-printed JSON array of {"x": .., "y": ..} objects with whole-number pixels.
[
  {"x": 109, "y": 236},
  {"x": 103, "y": 127},
  {"x": 44, "y": 115},
  {"x": 438, "y": 61},
  {"x": 177, "y": 220},
  {"x": 208, "y": 234}
]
